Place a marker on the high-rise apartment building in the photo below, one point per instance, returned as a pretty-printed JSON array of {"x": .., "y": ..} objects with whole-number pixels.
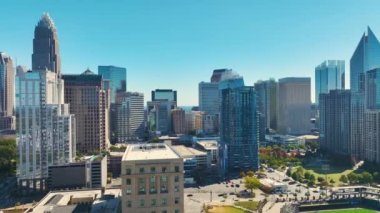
[
  {"x": 152, "y": 179},
  {"x": 128, "y": 117},
  {"x": 239, "y": 130},
  {"x": 266, "y": 106},
  {"x": 194, "y": 121},
  {"x": 335, "y": 111},
  {"x": 7, "y": 79},
  {"x": 179, "y": 121},
  {"x": 117, "y": 77},
  {"x": 366, "y": 57},
  {"x": 45, "y": 128},
  {"x": 89, "y": 102},
  {"x": 329, "y": 75},
  {"x": 46, "y": 47},
  {"x": 294, "y": 105}
]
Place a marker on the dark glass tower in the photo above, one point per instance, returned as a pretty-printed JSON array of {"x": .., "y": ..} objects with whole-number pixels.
[{"x": 45, "y": 46}]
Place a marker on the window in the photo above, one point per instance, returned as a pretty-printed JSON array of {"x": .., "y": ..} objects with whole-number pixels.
[
  {"x": 154, "y": 202},
  {"x": 176, "y": 168},
  {"x": 176, "y": 211},
  {"x": 129, "y": 203},
  {"x": 163, "y": 184},
  {"x": 164, "y": 202},
  {"x": 128, "y": 171},
  {"x": 128, "y": 181},
  {"x": 163, "y": 169},
  {"x": 128, "y": 191},
  {"x": 142, "y": 203},
  {"x": 141, "y": 186},
  {"x": 152, "y": 185},
  {"x": 141, "y": 170},
  {"x": 152, "y": 169},
  {"x": 164, "y": 211},
  {"x": 176, "y": 200},
  {"x": 176, "y": 188},
  {"x": 176, "y": 179}
]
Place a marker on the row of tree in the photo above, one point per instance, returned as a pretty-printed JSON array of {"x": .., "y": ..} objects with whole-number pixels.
[{"x": 8, "y": 156}]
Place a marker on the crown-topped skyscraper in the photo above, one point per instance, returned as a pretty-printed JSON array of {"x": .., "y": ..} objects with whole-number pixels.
[{"x": 45, "y": 46}]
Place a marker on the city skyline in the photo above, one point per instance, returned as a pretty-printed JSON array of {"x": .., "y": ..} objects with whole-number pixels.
[{"x": 171, "y": 40}]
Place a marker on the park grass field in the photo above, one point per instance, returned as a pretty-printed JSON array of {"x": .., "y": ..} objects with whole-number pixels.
[
  {"x": 224, "y": 209},
  {"x": 356, "y": 210},
  {"x": 331, "y": 174}
]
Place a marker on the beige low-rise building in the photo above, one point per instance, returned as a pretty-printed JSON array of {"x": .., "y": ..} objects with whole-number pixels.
[{"x": 152, "y": 179}]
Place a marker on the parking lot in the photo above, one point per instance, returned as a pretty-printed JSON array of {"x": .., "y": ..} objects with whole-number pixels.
[{"x": 216, "y": 193}]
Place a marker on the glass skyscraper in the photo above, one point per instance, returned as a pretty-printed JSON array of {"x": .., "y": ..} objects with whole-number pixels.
[
  {"x": 329, "y": 76},
  {"x": 117, "y": 76},
  {"x": 366, "y": 57},
  {"x": 239, "y": 131}
]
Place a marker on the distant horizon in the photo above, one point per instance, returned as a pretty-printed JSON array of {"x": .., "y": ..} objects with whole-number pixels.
[{"x": 176, "y": 45}]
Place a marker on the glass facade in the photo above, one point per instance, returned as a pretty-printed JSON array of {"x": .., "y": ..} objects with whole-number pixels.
[
  {"x": 372, "y": 91},
  {"x": 239, "y": 138},
  {"x": 329, "y": 75},
  {"x": 117, "y": 77}
]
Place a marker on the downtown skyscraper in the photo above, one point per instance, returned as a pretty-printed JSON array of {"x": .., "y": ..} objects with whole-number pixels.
[
  {"x": 117, "y": 77},
  {"x": 294, "y": 106},
  {"x": 6, "y": 92},
  {"x": 128, "y": 117},
  {"x": 89, "y": 101},
  {"x": 45, "y": 129},
  {"x": 239, "y": 130},
  {"x": 329, "y": 75},
  {"x": 46, "y": 53},
  {"x": 366, "y": 57}
]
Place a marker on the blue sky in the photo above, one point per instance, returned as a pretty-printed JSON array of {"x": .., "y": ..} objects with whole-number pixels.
[{"x": 177, "y": 43}]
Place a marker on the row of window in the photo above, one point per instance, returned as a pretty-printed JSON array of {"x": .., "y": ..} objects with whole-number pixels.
[
  {"x": 152, "y": 170},
  {"x": 153, "y": 203}
]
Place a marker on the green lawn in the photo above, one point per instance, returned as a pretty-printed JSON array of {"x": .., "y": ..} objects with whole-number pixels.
[
  {"x": 333, "y": 173},
  {"x": 252, "y": 205},
  {"x": 356, "y": 210},
  {"x": 224, "y": 209}
]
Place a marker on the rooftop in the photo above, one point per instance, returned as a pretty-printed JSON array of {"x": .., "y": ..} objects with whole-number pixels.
[
  {"x": 65, "y": 200},
  {"x": 209, "y": 144},
  {"x": 187, "y": 152},
  {"x": 156, "y": 151}
]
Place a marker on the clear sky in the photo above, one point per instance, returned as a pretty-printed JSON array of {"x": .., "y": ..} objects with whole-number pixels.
[{"x": 177, "y": 43}]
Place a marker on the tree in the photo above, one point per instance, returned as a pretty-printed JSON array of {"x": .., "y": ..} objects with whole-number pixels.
[
  {"x": 320, "y": 179},
  {"x": 366, "y": 177},
  {"x": 250, "y": 173},
  {"x": 251, "y": 183},
  {"x": 307, "y": 175},
  {"x": 352, "y": 178},
  {"x": 300, "y": 171},
  {"x": 289, "y": 172},
  {"x": 332, "y": 181},
  {"x": 343, "y": 178},
  {"x": 312, "y": 178},
  {"x": 296, "y": 176},
  {"x": 376, "y": 176}
]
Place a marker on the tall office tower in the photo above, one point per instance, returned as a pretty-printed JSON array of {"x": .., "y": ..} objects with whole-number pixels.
[
  {"x": 294, "y": 108},
  {"x": 217, "y": 75},
  {"x": 335, "y": 110},
  {"x": 239, "y": 130},
  {"x": 209, "y": 100},
  {"x": 366, "y": 57},
  {"x": 46, "y": 46},
  {"x": 45, "y": 128},
  {"x": 88, "y": 101},
  {"x": 266, "y": 106},
  {"x": 6, "y": 92},
  {"x": 179, "y": 121},
  {"x": 152, "y": 179},
  {"x": 371, "y": 131},
  {"x": 129, "y": 117},
  {"x": 210, "y": 124},
  {"x": 117, "y": 76},
  {"x": 329, "y": 75},
  {"x": 159, "y": 110}
]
